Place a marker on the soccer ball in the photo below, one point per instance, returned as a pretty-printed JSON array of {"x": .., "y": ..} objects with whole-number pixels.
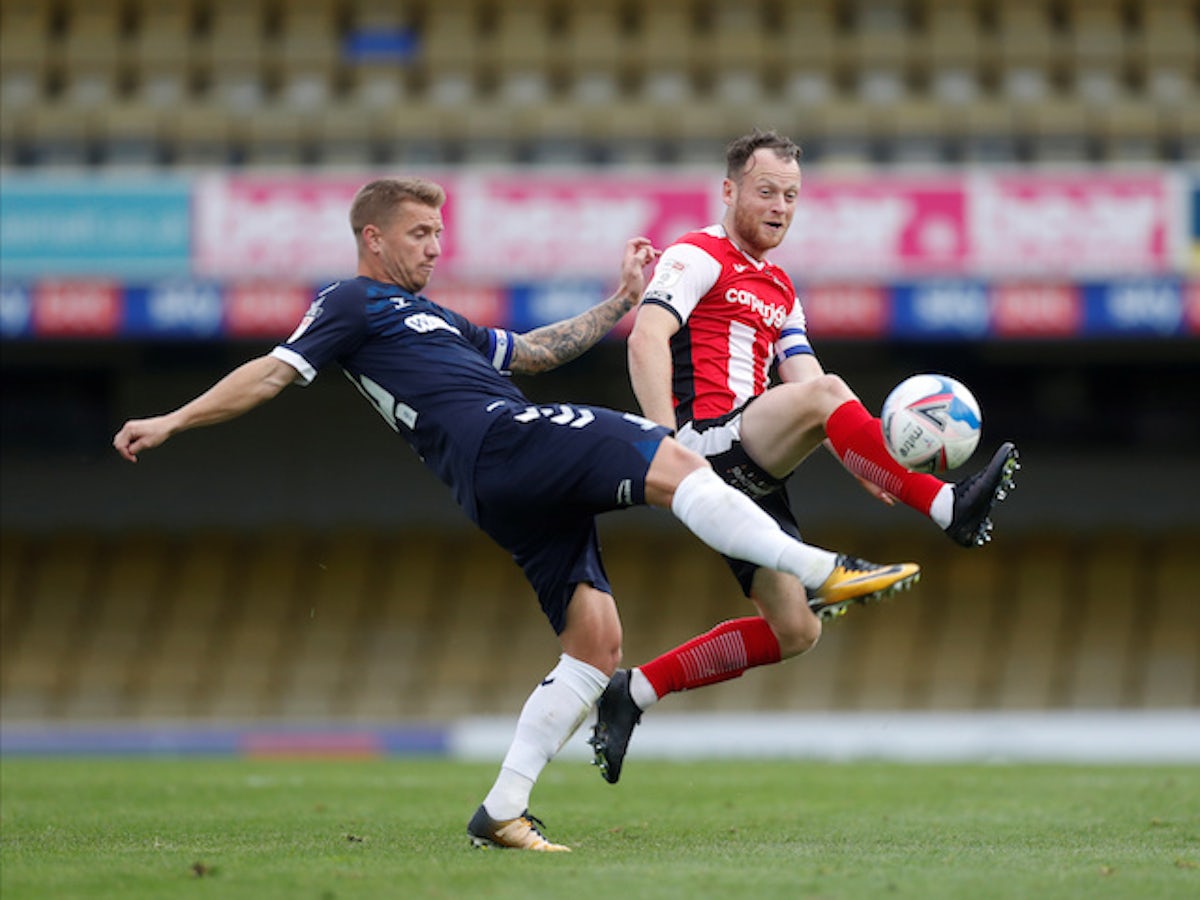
[{"x": 931, "y": 423}]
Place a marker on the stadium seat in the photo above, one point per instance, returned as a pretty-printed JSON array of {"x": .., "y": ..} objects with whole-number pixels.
[
  {"x": 915, "y": 131},
  {"x": 845, "y": 131},
  {"x": 428, "y": 627},
  {"x": 121, "y": 628},
  {"x": 989, "y": 132},
  {"x": 278, "y": 137},
  {"x": 64, "y": 135},
  {"x": 522, "y": 49},
  {"x": 1097, "y": 51},
  {"x": 161, "y": 53},
  {"x": 1096, "y": 33},
  {"x": 396, "y": 652},
  {"x": 807, "y": 38},
  {"x": 1169, "y": 36},
  {"x": 308, "y": 55},
  {"x": 40, "y": 664},
  {"x": 93, "y": 53},
  {"x": 724, "y": 62},
  {"x": 1167, "y": 636},
  {"x": 948, "y": 54},
  {"x": 233, "y": 53},
  {"x": 202, "y": 135},
  {"x": 448, "y": 59},
  {"x": 192, "y": 629},
  {"x": 1128, "y": 131},
  {"x": 26, "y": 57},
  {"x": 1098, "y": 646},
  {"x": 133, "y": 135},
  {"x": 595, "y": 60},
  {"x": 379, "y": 81},
  {"x": 963, "y": 639},
  {"x": 1058, "y": 130},
  {"x": 732, "y": 52},
  {"x": 1026, "y": 62},
  {"x": 348, "y": 136},
  {"x": 1033, "y": 672},
  {"x": 878, "y": 49}
]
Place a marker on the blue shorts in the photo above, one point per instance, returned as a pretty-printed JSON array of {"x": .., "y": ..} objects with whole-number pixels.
[{"x": 544, "y": 473}]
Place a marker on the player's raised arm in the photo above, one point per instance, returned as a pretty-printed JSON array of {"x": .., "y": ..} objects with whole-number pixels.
[
  {"x": 552, "y": 345},
  {"x": 238, "y": 392}
]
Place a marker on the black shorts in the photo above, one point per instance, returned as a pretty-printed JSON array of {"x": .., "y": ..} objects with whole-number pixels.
[
  {"x": 543, "y": 475},
  {"x": 719, "y": 441}
]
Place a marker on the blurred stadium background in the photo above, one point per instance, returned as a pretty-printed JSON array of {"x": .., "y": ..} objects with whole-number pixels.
[{"x": 1006, "y": 190}]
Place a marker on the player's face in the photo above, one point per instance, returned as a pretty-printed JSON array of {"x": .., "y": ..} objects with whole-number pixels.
[
  {"x": 406, "y": 248},
  {"x": 762, "y": 202}
]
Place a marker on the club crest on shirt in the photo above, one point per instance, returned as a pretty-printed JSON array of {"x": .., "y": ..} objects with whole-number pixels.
[
  {"x": 667, "y": 274},
  {"x": 315, "y": 309}
]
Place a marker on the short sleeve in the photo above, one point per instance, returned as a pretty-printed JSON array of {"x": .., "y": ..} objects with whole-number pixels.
[
  {"x": 334, "y": 325},
  {"x": 684, "y": 274}
]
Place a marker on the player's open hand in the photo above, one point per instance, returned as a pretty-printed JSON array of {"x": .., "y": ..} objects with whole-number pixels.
[
  {"x": 639, "y": 253},
  {"x": 137, "y": 435}
]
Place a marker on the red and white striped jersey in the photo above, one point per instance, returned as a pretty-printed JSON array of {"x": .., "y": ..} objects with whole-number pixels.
[{"x": 737, "y": 316}]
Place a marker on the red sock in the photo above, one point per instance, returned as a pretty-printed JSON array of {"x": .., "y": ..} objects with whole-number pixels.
[
  {"x": 718, "y": 655},
  {"x": 857, "y": 437}
]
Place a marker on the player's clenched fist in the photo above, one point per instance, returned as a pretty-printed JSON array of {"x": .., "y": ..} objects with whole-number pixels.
[{"x": 137, "y": 435}]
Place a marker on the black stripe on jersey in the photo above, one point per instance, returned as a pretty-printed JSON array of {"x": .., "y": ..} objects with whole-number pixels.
[{"x": 683, "y": 378}]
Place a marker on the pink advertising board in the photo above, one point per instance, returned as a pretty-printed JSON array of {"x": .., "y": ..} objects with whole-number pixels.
[
  {"x": 521, "y": 227},
  {"x": 509, "y": 227},
  {"x": 264, "y": 226},
  {"x": 1080, "y": 223},
  {"x": 498, "y": 227},
  {"x": 871, "y": 227}
]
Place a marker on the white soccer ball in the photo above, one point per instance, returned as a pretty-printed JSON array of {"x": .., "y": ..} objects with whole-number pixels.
[{"x": 931, "y": 423}]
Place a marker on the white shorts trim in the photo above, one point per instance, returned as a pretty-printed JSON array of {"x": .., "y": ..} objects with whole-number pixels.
[{"x": 713, "y": 439}]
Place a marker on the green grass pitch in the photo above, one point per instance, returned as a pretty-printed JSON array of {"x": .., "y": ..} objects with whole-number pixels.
[{"x": 321, "y": 829}]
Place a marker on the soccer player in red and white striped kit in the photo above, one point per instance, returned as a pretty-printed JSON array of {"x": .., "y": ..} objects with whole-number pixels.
[{"x": 713, "y": 321}]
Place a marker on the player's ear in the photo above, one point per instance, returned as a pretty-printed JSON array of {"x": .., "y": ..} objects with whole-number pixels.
[{"x": 727, "y": 191}]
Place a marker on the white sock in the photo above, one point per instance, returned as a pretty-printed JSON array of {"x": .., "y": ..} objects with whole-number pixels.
[
  {"x": 733, "y": 524},
  {"x": 553, "y": 712},
  {"x": 641, "y": 690},
  {"x": 942, "y": 508}
]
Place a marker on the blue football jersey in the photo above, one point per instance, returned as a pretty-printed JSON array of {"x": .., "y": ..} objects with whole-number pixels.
[{"x": 433, "y": 375}]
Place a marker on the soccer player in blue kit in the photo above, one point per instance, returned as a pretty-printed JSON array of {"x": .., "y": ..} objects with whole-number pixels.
[{"x": 532, "y": 476}]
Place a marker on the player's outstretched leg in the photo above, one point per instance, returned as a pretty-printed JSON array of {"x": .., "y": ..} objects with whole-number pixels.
[
  {"x": 522, "y": 833},
  {"x": 726, "y": 652},
  {"x": 858, "y": 581},
  {"x": 616, "y": 717},
  {"x": 974, "y": 497}
]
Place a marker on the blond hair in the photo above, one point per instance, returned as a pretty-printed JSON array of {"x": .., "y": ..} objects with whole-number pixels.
[{"x": 377, "y": 201}]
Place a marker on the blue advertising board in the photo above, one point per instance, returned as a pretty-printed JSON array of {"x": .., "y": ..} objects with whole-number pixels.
[{"x": 95, "y": 226}]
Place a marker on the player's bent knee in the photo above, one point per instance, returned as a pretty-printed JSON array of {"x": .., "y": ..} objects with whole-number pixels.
[
  {"x": 835, "y": 390},
  {"x": 672, "y": 463},
  {"x": 593, "y": 632},
  {"x": 799, "y": 637}
]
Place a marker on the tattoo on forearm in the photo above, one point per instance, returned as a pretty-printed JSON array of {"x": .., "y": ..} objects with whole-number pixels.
[{"x": 552, "y": 345}]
